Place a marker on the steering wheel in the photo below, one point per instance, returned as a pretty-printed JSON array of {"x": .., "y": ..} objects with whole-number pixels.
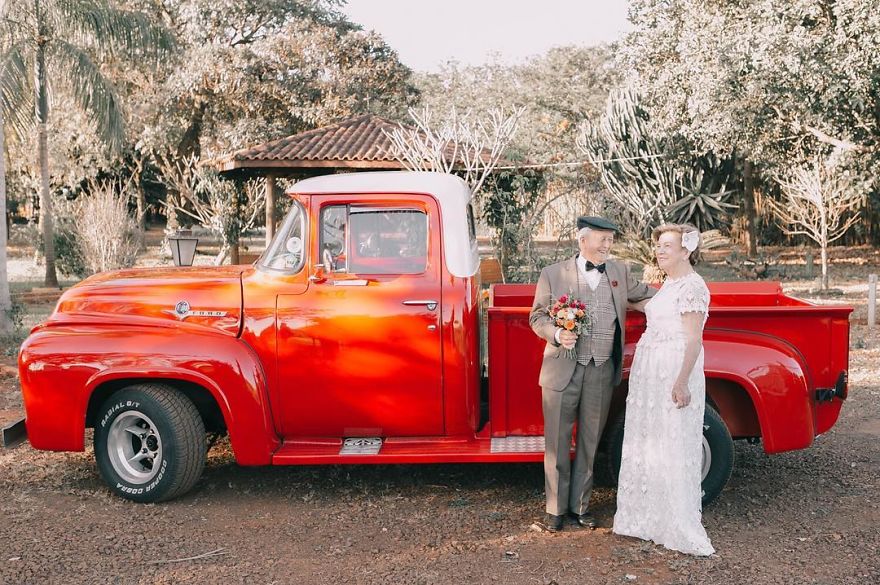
[{"x": 291, "y": 256}]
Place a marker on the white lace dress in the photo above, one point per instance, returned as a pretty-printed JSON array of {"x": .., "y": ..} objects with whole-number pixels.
[{"x": 659, "y": 490}]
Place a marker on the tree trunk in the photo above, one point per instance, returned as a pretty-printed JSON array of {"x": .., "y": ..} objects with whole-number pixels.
[
  {"x": 270, "y": 208},
  {"x": 141, "y": 195},
  {"x": 172, "y": 220},
  {"x": 190, "y": 144},
  {"x": 749, "y": 209},
  {"x": 46, "y": 216},
  {"x": 824, "y": 266},
  {"x": 6, "y": 324},
  {"x": 222, "y": 254}
]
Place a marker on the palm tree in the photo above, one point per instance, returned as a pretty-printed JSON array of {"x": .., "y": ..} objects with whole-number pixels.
[
  {"x": 11, "y": 78},
  {"x": 5, "y": 298},
  {"x": 61, "y": 43}
]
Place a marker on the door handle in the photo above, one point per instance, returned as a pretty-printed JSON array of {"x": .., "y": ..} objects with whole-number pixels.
[{"x": 429, "y": 304}]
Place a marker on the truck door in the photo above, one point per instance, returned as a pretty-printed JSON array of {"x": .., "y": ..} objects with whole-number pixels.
[{"x": 359, "y": 352}]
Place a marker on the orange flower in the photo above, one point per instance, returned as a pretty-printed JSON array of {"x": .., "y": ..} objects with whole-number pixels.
[
  {"x": 580, "y": 313},
  {"x": 569, "y": 325}
]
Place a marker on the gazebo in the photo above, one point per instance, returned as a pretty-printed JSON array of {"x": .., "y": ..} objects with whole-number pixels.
[{"x": 357, "y": 143}]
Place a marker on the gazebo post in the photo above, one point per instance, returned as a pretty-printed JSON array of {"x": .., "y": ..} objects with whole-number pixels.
[{"x": 270, "y": 208}]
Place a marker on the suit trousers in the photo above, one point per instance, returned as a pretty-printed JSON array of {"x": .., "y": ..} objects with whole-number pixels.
[{"x": 585, "y": 399}]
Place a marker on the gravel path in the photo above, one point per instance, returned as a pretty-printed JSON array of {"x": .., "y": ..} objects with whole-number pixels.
[{"x": 807, "y": 517}]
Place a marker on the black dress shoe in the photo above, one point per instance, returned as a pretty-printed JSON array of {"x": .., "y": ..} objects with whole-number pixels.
[
  {"x": 553, "y": 523},
  {"x": 586, "y": 520}
]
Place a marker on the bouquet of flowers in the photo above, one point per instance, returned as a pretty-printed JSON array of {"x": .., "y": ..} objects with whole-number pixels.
[{"x": 570, "y": 314}]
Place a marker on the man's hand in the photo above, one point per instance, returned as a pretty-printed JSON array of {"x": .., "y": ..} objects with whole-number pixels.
[
  {"x": 681, "y": 396},
  {"x": 638, "y": 306},
  {"x": 567, "y": 339}
]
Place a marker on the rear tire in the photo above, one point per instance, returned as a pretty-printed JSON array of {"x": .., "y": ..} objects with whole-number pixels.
[
  {"x": 149, "y": 443},
  {"x": 717, "y": 446}
]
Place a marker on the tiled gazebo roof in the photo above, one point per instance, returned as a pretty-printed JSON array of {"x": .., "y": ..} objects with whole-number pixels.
[{"x": 353, "y": 143}]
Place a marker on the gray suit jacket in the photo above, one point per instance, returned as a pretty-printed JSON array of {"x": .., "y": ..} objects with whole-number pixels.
[{"x": 561, "y": 279}]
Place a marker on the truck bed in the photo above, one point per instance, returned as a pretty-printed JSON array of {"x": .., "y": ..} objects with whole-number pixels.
[{"x": 740, "y": 313}]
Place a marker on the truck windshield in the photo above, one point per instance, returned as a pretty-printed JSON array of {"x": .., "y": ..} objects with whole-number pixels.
[{"x": 286, "y": 250}]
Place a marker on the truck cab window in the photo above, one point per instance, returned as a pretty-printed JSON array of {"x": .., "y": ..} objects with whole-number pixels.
[
  {"x": 286, "y": 252},
  {"x": 388, "y": 241},
  {"x": 374, "y": 240}
]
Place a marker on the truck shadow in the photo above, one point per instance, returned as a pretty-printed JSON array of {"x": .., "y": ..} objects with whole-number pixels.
[{"x": 759, "y": 483}]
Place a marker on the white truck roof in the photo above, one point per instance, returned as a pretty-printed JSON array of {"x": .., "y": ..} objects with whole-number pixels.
[{"x": 452, "y": 194}]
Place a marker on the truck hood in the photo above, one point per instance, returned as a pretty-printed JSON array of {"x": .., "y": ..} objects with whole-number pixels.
[{"x": 201, "y": 297}]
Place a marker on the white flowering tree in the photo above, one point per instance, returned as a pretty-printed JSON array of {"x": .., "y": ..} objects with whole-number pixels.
[
  {"x": 469, "y": 146},
  {"x": 462, "y": 143},
  {"x": 819, "y": 203}
]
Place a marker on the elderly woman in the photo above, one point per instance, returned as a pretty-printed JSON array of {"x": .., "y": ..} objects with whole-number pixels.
[{"x": 659, "y": 495}]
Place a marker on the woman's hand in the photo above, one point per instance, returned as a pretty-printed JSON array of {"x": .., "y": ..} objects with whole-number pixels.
[{"x": 681, "y": 396}]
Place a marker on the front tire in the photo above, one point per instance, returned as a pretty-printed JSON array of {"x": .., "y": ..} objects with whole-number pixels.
[
  {"x": 718, "y": 452},
  {"x": 149, "y": 443}
]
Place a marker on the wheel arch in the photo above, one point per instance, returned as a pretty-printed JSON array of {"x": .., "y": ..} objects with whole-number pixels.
[
  {"x": 735, "y": 404},
  {"x": 204, "y": 400},
  {"x": 772, "y": 376},
  {"x": 66, "y": 372},
  {"x": 237, "y": 407}
]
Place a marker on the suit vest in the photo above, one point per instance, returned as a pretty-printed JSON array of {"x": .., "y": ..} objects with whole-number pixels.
[{"x": 598, "y": 342}]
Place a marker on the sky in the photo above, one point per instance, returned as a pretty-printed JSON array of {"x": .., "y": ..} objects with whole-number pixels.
[{"x": 428, "y": 33}]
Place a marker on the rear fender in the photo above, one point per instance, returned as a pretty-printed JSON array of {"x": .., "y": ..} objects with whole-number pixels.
[
  {"x": 61, "y": 368},
  {"x": 774, "y": 375}
]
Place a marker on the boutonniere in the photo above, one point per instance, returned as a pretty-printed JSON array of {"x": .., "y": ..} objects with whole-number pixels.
[{"x": 614, "y": 283}]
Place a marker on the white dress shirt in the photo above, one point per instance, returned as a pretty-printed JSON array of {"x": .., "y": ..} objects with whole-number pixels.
[{"x": 592, "y": 277}]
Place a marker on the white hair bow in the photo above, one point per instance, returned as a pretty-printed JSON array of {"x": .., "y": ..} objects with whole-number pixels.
[{"x": 690, "y": 240}]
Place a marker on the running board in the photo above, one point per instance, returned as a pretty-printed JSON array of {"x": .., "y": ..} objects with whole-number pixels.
[
  {"x": 316, "y": 451},
  {"x": 361, "y": 446},
  {"x": 518, "y": 444}
]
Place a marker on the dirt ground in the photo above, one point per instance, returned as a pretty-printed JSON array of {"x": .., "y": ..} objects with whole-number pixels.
[{"x": 806, "y": 517}]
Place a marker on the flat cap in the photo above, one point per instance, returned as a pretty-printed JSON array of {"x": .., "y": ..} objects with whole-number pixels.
[{"x": 596, "y": 223}]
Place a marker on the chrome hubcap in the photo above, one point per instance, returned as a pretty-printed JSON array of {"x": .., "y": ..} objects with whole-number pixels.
[
  {"x": 707, "y": 459},
  {"x": 134, "y": 447}
]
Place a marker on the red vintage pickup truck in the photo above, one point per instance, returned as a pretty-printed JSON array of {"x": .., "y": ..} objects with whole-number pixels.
[{"x": 356, "y": 338}]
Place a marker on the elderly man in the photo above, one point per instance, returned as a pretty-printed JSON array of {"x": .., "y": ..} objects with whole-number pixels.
[{"x": 580, "y": 387}]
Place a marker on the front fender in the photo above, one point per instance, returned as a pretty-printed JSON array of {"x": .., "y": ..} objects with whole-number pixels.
[
  {"x": 60, "y": 368},
  {"x": 777, "y": 380}
]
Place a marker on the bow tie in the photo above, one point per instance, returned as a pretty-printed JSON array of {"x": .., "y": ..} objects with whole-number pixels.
[{"x": 599, "y": 267}]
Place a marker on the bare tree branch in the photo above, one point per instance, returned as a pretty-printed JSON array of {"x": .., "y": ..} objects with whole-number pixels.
[
  {"x": 213, "y": 203},
  {"x": 820, "y": 204},
  {"x": 472, "y": 148},
  {"x": 844, "y": 145}
]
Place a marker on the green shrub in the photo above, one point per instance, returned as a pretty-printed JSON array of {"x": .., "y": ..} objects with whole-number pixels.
[{"x": 68, "y": 256}]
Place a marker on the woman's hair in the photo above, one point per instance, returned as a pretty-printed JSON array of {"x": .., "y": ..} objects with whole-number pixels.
[{"x": 680, "y": 229}]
